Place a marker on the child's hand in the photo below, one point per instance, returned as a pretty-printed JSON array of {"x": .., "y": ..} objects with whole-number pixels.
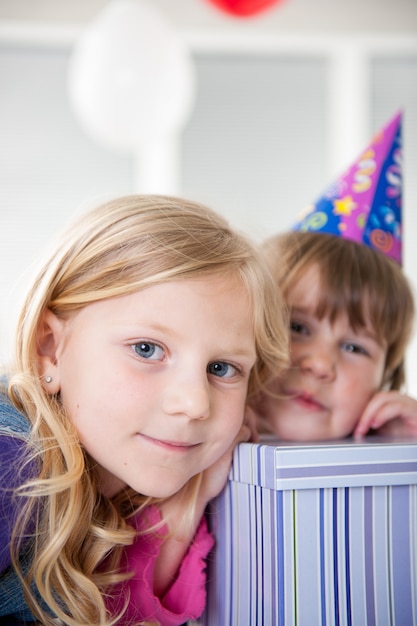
[
  {"x": 215, "y": 476},
  {"x": 257, "y": 422},
  {"x": 213, "y": 480},
  {"x": 391, "y": 413},
  {"x": 251, "y": 420},
  {"x": 176, "y": 545}
]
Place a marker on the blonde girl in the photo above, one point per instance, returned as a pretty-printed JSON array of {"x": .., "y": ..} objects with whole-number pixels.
[{"x": 136, "y": 347}]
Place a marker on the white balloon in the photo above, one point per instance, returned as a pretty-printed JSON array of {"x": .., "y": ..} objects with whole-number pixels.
[{"x": 131, "y": 77}]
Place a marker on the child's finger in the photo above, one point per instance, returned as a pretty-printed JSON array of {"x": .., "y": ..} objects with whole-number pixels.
[
  {"x": 386, "y": 407},
  {"x": 374, "y": 415},
  {"x": 244, "y": 434},
  {"x": 251, "y": 421}
]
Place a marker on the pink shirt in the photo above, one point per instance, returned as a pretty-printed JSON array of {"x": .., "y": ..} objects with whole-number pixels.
[{"x": 184, "y": 600}]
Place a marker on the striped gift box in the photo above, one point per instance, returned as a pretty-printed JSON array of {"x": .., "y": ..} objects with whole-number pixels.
[{"x": 316, "y": 535}]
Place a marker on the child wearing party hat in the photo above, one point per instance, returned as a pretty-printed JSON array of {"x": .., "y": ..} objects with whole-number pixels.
[{"x": 351, "y": 308}]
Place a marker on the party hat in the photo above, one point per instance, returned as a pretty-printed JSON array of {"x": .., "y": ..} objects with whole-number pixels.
[{"x": 364, "y": 204}]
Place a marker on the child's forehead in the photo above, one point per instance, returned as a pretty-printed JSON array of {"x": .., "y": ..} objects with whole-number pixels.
[
  {"x": 307, "y": 285},
  {"x": 311, "y": 293}
]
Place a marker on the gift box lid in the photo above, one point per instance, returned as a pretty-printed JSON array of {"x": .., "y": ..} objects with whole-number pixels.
[{"x": 374, "y": 460}]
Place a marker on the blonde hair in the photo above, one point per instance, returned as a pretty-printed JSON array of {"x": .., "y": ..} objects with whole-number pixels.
[
  {"x": 354, "y": 279},
  {"x": 120, "y": 247}
]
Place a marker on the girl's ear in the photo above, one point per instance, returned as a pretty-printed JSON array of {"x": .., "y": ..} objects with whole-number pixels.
[{"x": 49, "y": 340}]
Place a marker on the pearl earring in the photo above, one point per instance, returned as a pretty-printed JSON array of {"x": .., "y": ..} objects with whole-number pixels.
[{"x": 48, "y": 379}]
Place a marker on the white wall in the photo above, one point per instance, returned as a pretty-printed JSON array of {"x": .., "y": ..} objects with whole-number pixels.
[{"x": 278, "y": 115}]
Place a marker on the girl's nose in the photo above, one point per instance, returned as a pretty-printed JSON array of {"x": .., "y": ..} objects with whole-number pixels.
[
  {"x": 320, "y": 363},
  {"x": 188, "y": 396}
]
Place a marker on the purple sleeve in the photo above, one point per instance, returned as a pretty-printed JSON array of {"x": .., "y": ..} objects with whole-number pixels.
[
  {"x": 185, "y": 600},
  {"x": 12, "y": 474}
]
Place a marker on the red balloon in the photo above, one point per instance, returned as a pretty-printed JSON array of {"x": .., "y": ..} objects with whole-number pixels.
[{"x": 244, "y": 7}]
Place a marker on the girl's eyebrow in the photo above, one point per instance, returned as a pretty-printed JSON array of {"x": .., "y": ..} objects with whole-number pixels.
[
  {"x": 303, "y": 309},
  {"x": 247, "y": 354},
  {"x": 367, "y": 333}
]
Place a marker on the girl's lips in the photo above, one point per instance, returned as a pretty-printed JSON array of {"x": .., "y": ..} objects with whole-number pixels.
[
  {"x": 305, "y": 400},
  {"x": 177, "y": 446}
]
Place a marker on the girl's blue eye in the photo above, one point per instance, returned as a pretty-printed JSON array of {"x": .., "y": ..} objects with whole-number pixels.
[
  {"x": 148, "y": 350},
  {"x": 354, "y": 348},
  {"x": 221, "y": 369}
]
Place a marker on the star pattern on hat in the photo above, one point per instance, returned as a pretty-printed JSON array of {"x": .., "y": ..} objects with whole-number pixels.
[{"x": 344, "y": 206}]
